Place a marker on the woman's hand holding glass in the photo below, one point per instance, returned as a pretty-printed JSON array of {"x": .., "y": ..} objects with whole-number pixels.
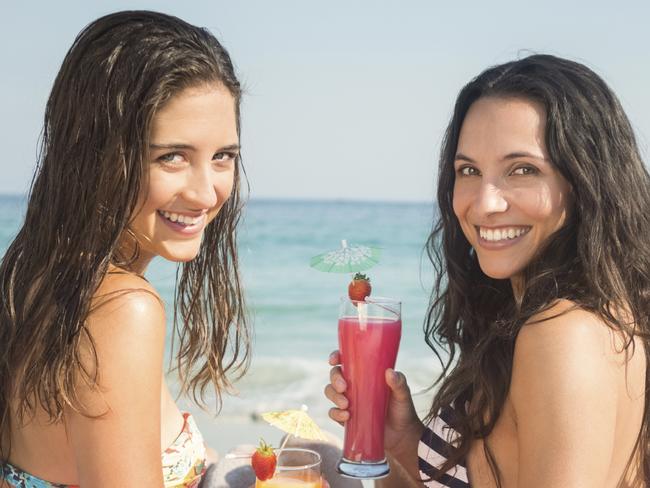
[{"x": 403, "y": 426}]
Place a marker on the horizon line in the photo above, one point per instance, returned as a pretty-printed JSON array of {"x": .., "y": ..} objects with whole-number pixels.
[{"x": 300, "y": 199}]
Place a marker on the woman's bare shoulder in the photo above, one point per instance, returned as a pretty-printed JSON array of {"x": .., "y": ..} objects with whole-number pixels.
[
  {"x": 117, "y": 283},
  {"x": 568, "y": 351},
  {"x": 567, "y": 328},
  {"x": 128, "y": 299},
  {"x": 563, "y": 324},
  {"x": 126, "y": 323}
]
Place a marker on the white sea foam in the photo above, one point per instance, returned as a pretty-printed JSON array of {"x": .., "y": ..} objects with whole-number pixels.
[{"x": 286, "y": 383}]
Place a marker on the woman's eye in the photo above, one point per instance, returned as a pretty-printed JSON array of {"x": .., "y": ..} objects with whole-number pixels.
[
  {"x": 467, "y": 171},
  {"x": 224, "y": 156},
  {"x": 171, "y": 158},
  {"x": 525, "y": 171}
]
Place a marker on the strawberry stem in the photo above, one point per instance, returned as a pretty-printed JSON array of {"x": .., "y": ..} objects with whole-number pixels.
[{"x": 265, "y": 448}]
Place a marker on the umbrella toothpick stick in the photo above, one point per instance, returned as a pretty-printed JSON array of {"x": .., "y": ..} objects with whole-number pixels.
[{"x": 284, "y": 443}]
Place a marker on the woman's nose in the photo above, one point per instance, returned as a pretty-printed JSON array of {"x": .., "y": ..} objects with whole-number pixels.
[
  {"x": 491, "y": 199},
  {"x": 201, "y": 189}
]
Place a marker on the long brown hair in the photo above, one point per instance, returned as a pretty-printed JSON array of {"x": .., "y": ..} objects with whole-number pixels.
[
  {"x": 121, "y": 69},
  {"x": 600, "y": 259}
]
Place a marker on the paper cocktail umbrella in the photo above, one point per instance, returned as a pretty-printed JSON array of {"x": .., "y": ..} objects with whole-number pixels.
[
  {"x": 346, "y": 259},
  {"x": 296, "y": 423}
]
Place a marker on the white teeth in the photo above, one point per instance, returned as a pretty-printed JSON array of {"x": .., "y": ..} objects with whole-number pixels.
[
  {"x": 181, "y": 219},
  {"x": 494, "y": 235}
]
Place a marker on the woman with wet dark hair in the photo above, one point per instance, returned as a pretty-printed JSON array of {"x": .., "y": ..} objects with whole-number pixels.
[
  {"x": 140, "y": 158},
  {"x": 542, "y": 294}
]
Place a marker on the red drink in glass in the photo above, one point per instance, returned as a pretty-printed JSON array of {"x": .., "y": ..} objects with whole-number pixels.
[{"x": 369, "y": 335}]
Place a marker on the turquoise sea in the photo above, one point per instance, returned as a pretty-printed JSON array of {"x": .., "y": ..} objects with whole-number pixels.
[{"x": 294, "y": 308}]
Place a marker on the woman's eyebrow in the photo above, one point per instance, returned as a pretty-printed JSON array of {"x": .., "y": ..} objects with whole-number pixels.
[
  {"x": 171, "y": 145},
  {"x": 462, "y": 157},
  {"x": 230, "y": 147},
  {"x": 524, "y": 154},
  {"x": 512, "y": 155},
  {"x": 176, "y": 145}
]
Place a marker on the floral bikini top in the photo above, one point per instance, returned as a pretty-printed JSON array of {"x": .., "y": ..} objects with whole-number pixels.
[{"x": 183, "y": 463}]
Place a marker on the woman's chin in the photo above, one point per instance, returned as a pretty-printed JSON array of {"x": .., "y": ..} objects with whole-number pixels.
[
  {"x": 499, "y": 272},
  {"x": 180, "y": 255}
]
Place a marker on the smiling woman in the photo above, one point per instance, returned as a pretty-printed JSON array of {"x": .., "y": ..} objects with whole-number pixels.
[
  {"x": 193, "y": 150},
  {"x": 508, "y": 196},
  {"x": 140, "y": 159},
  {"x": 542, "y": 294}
]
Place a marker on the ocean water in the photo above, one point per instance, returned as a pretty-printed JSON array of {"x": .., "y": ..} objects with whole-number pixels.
[{"x": 294, "y": 307}]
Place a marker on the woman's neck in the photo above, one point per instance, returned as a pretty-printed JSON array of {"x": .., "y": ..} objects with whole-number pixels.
[
  {"x": 135, "y": 258},
  {"x": 517, "y": 283}
]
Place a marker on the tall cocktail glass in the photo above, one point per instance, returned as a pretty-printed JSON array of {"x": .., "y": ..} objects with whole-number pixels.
[
  {"x": 296, "y": 468},
  {"x": 369, "y": 335}
]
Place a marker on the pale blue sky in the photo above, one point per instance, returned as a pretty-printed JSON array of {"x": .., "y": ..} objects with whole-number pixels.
[{"x": 344, "y": 99}]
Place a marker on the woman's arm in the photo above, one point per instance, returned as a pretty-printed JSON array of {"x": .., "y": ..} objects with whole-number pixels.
[
  {"x": 564, "y": 394},
  {"x": 122, "y": 446}
]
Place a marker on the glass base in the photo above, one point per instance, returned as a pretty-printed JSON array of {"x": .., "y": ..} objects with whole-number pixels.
[{"x": 363, "y": 471}]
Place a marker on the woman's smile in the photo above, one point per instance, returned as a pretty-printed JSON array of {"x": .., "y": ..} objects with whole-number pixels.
[
  {"x": 183, "y": 223},
  {"x": 500, "y": 237}
]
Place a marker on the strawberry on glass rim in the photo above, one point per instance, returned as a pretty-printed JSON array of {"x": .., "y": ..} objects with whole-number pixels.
[
  {"x": 264, "y": 461},
  {"x": 359, "y": 288}
]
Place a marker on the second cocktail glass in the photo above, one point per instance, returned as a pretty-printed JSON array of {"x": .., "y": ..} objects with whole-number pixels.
[
  {"x": 296, "y": 468},
  {"x": 369, "y": 335}
]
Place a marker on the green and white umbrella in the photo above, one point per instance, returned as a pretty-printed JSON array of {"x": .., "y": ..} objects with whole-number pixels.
[{"x": 346, "y": 259}]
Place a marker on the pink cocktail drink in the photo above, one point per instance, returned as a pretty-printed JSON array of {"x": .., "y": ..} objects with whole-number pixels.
[
  {"x": 367, "y": 350},
  {"x": 368, "y": 343}
]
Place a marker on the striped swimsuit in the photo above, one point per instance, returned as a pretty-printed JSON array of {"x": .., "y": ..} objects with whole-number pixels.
[{"x": 436, "y": 442}]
